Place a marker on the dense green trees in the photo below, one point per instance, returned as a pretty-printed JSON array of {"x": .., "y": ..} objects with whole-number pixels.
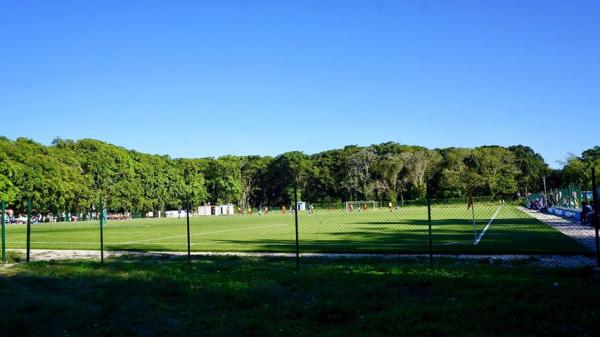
[
  {"x": 577, "y": 170},
  {"x": 531, "y": 167},
  {"x": 77, "y": 175}
]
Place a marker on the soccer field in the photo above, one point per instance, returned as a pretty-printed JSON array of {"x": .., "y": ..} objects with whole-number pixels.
[{"x": 497, "y": 229}]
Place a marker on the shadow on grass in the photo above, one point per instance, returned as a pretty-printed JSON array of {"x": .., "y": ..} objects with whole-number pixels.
[
  {"x": 452, "y": 236},
  {"x": 253, "y": 296}
]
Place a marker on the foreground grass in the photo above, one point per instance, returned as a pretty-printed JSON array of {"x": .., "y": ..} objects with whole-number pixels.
[{"x": 266, "y": 297}]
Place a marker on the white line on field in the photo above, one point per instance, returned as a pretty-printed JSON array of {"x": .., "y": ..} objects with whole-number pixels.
[{"x": 480, "y": 236}]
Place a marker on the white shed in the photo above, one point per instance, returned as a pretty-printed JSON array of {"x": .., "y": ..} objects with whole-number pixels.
[
  {"x": 175, "y": 214},
  {"x": 224, "y": 209},
  {"x": 216, "y": 210},
  {"x": 204, "y": 210}
]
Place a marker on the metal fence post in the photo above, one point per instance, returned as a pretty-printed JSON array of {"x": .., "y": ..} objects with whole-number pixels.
[
  {"x": 428, "y": 191},
  {"x": 3, "y": 231},
  {"x": 296, "y": 223},
  {"x": 595, "y": 215},
  {"x": 472, "y": 203},
  {"x": 101, "y": 221},
  {"x": 187, "y": 210},
  {"x": 28, "y": 230}
]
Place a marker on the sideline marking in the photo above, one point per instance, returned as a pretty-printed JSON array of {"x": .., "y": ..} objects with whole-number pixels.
[{"x": 480, "y": 236}]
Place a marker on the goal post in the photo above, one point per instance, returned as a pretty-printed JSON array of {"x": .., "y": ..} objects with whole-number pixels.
[{"x": 361, "y": 205}]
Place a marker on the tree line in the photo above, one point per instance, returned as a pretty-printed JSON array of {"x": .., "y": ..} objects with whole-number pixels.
[{"x": 73, "y": 175}]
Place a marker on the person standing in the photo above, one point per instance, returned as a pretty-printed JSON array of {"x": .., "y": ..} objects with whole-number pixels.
[{"x": 584, "y": 212}]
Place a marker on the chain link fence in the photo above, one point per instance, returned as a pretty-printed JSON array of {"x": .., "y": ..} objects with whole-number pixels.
[
  {"x": 479, "y": 226},
  {"x": 571, "y": 197}
]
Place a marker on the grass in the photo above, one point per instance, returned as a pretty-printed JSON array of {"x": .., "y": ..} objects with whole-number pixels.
[
  {"x": 402, "y": 231},
  {"x": 266, "y": 297}
]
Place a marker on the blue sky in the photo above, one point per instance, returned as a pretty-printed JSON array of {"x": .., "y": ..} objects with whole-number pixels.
[{"x": 209, "y": 78}]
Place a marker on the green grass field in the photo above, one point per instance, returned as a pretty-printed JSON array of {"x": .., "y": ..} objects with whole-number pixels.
[
  {"x": 378, "y": 230},
  {"x": 226, "y": 296}
]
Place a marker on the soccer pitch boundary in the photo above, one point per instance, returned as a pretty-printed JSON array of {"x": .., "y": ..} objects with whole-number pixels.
[
  {"x": 203, "y": 233},
  {"x": 510, "y": 232},
  {"x": 159, "y": 240},
  {"x": 154, "y": 241},
  {"x": 480, "y": 236}
]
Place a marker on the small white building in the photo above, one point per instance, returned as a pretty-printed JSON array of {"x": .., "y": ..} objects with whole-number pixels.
[
  {"x": 204, "y": 210},
  {"x": 175, "y": 214},
  {"x": 152, "y": 214},
  {"x": 301, "y": 206},
  {"x": 224, "y": 209},
  {"x": 228, "y": 209}
]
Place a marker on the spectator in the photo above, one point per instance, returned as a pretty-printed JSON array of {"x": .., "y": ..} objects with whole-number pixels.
[
  {"x": 543, "y": 205},
  {"x": 585, "y": 212}
]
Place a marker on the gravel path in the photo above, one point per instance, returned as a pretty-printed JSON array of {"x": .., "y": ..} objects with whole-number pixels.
[
  {"x": 542, "y": 260},
  {"x": 584, "y": 234}
]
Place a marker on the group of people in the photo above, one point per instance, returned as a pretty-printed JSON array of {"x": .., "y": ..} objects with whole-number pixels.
[
  {"x": 365, "y": 207},
  {"x": 543, "y": 204},
  {"x": 265, "y": 210},
  {"x": 10, "y": 217}
]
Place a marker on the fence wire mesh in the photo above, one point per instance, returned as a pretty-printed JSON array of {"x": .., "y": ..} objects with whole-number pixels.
[{"x": 484, "y": 225}]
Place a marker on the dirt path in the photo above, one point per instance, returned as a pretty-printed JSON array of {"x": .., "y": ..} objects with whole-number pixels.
[{"x": 542, "y": 260}]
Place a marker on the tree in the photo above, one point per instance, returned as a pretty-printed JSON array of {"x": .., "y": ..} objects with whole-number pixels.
[
  {"x": 455, "y": 180},
  {"x": 358, "y": 173},
  {"x": 252, "y": 170},
  {"x": 285, "y": 172},
  {"x": 418, "y": 165},
  {"x": 390, "y": 167},
  {"x": 532, "y": 168},
  {"x": 575, "y": 171},
  {"x": 493, "y": 170},
  {"x": 73, "y": 176},
  {"x": 194, "y": 186},
  {"x": 224, "y": 180}
]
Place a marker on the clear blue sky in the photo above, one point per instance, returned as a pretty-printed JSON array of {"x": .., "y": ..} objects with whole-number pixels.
[{"x": 209, "y": 78}]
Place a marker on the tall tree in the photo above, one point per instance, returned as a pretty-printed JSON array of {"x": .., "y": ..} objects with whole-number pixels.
[
  {"x": 532, "y": 168},
  {"x": 418, "y": 164},
  {"x": 358, "y": 173},
  {"x": 390, "y": 167}
]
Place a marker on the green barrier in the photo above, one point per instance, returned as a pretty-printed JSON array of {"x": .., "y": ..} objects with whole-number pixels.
[{"x": 567, "y": 197}]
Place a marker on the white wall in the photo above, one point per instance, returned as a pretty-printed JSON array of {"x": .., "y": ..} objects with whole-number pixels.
[
  {"x": 175, "y": 214},
  {"x": 218, "y": 210},
  {"x": 204, "y": 210},
  {"x": 224, "y": 210}
]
